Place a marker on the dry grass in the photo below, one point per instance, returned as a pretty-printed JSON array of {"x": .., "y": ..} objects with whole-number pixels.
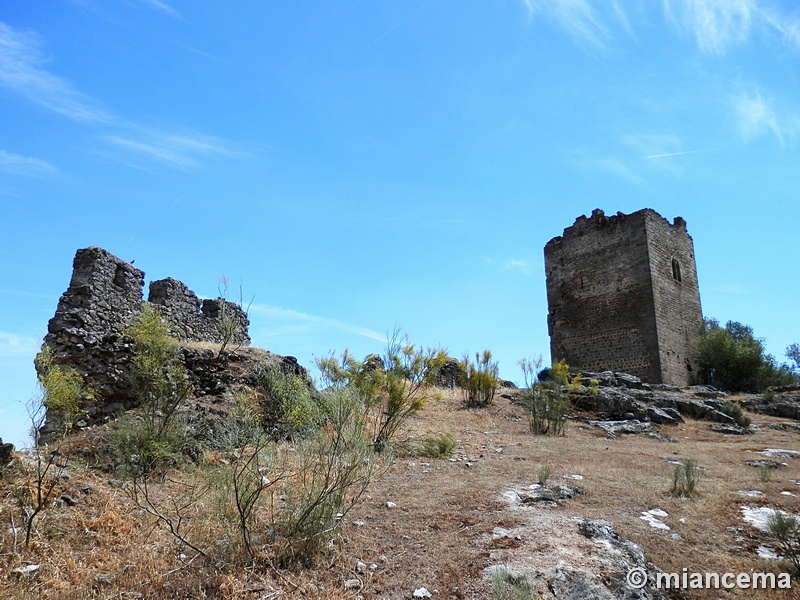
[{"x": 439, "y": 534}]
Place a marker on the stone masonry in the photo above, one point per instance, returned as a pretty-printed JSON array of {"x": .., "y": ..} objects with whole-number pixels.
[
  {"x": 103, "y": 298},
  {"x": 622, "y": 295}
]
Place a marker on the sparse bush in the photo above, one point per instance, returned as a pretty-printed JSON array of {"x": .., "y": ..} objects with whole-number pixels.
[
  {"x": 734, "y": 410},
  {"x": 157, "y": 437},
  {"x": 543, "y": 474},
  {"x": 229, "y": 326},
  {"x": 48, "y": 467},
  {"x": 765, "y": 472},
  {"x": 440, "y": 445},
  {"x": 478, "y": 379},
  {"x": 508, "y": 586},
  {"x": 685, "y": 477},
  {"x": 546, "y": 403},
  {"x": 390, "y": 395},
  {"x": 330, "y": 470},
  {"x": 786, "y": 529}
]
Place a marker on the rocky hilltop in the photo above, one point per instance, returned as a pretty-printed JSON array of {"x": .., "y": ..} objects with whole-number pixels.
[{"x": 552, "y": 517}]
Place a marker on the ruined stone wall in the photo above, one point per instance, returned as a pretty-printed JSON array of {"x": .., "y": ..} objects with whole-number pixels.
[
  {"x": 104, "y": 296},
  {"x": 613, "y": 301},
  {"x": 193, "y": 320}
]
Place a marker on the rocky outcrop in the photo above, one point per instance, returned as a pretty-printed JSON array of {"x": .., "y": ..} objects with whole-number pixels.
[
  {"x": 776, "y": 402},
  {"x": 622, "y": 397},
  {"x": 607, "y": 568},
  {"x": 449, "y": 374}
]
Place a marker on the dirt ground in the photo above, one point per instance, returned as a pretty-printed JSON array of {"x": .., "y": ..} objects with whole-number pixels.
[
  {"x": 432, "y": 523},
  {"x": 440, "y": 534}
]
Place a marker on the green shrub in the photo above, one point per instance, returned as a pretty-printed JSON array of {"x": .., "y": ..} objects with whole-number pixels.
[
  {"x": 330, "y": 470},
  {"x": 765, "y": 472},
  {"x": 508, "y": 586},
  {"x": 439, "y": 445},
  {"x": 140, "y": 449},
  {"x": 62, "y": 388},
  {"x": 543, "y": 474},
  {"x": 290, "y": 397},
  {"x": 685, "y": 477},
  {"x": 478, "y": 379},
  {"x": 734, "y": 410},
  {"x": 733, "y": 359}
]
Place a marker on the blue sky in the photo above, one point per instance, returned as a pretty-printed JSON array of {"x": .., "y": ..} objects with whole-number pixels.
[{"x": 362, "y": 165}]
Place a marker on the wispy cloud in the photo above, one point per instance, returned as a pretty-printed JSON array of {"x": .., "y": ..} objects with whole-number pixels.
[
  {"x": 630, "y": 157},
  {"x": 757, "y": 116},
  {"x": 292, "y": 321},
  {"x": 22, "y": 71},
  {"x": 14, "y": 346},
  {"x": 580, "y": 18},
  {"x": 718, "y": 24},
  {"x": 668, "y": 154},
  {"x": 21, "y": 61},
  {"x": 162, "y": 6},
  {"x": 27, "y": 166},
  {"x": 524, "y": 266},
  {"x": 182, "y": 150},
  {"x": 715, "y": 24}
]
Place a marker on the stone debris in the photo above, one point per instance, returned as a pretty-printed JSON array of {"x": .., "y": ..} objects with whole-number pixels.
[
  {"x": 27, "y": 570},
  {"x": 352, "y": 584},
  {"x": 422, "y": 593},
  {"x": 616, "y": 557},
  {"x": 729, "y": 429},
  {"x": 757, "y": 517},
  {"x": 781, "y": 402},
  {"x": 767, "y": 553},
  {"x": 653, "y": 518},
  {"x": 105, "y": 578},
  {"x": 780, "y": 453}
]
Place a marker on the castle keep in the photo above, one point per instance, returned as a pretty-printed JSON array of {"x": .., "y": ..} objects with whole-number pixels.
[{"x": 622, "y": 295}]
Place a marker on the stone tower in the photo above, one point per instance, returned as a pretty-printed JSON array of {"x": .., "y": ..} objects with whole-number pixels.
[{"x": 622, "y": 295}]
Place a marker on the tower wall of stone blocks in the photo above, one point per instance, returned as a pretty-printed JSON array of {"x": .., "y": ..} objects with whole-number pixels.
[{"x": 623, "y": 296}]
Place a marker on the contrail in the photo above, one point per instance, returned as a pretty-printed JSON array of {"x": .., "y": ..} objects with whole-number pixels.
[{"x": 675, "y": 153}]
